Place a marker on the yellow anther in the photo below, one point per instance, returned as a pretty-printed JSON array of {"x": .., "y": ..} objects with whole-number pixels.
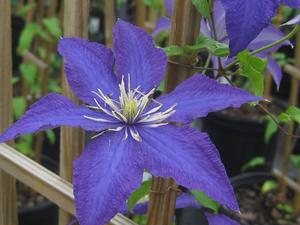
[{"x": 130, "y": 108}]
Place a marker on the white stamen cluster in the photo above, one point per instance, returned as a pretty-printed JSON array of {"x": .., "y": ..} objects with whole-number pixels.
[{"x": 130, "y": 110}]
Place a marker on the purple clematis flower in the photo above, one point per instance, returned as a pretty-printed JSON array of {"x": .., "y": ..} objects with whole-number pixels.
[
  {"x": 267, "y": 36},
  {"x": 133, "y": 130},
  {"x": 246, "y": 19}
]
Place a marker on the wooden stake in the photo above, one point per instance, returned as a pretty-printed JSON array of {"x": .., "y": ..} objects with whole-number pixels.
[
  {"x": 185, "y": 30},
  {"x": 140, "y": 13},
  {"x": 293, "y": 100},
  {"x": 110, "y": 19},
  {"x": 8, "y": 201},
  {"x": 76, "y": 14},
  {"x": 296, "y": 81}
]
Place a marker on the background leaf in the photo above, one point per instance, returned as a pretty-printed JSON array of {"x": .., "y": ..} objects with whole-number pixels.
[
  {"x": 138, "y": 194},
  {"x": 255, "y": 162},
  {"x": 270, "y": 130},
  {"x": 203, "y": 7},
  {"x": 206, "y": 201},
  {"x": 253, "y": 68},
  {"x": 19, "y": 106},
  {"x": 295, "y": 160},
  {"x": 268, "y": 186}
]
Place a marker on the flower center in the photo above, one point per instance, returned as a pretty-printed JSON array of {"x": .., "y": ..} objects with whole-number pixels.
[{"x": 130, "y": 110}]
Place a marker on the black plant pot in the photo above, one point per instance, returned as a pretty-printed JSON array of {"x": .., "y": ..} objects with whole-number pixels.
[
  {"x": 45, "y": 212},
  {"x": 246, "y": 179},
  {"x": 190, "y": 216},
  {"x": 239, "y": 139}
]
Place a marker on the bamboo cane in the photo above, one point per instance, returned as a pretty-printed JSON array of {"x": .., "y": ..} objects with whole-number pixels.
[
  {"x": 72, "y": 139},
  {"x": 8, "y": 201}
]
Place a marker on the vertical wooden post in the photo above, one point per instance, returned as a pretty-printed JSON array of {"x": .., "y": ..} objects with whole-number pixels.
[
  {"x": 110, "y": 18},
  {"x": 185, "y": 29},
  {"x": 8, "y": 201},
  {"x": 293, "y": 100},
  {"x": 76, "y": 14},
  {"x": 140, "y": 13},
  {"x": 295, "y": 83}
]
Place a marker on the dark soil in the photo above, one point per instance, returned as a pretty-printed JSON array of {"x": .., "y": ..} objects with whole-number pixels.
[{"x": 262, "y": 209}]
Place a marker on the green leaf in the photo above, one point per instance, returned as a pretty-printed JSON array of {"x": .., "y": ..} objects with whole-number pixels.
[
  {"x": 19, "y": 106},
  {"x": 206, "y": 201},
  {"x": 27, "y": 35},
  {"x": 268, "y": 186},
  {"x": 54, "y": 87},
  {"x": 270, "y": 130},
  {"x": 22, "y": 11},
  {"x": 214, "y": 47},
  {"x": 253, "y": 68},
  {"x": 25, "y": 145},
  {"x": 203, "y": 7},
  {"x": 295, "y": 160},
  {"x": 51, "y": 136},
  {"x": 155, "y": 4},
  {"x": 15, "y": 80},
  {"x": 29, "y": 72},
  {"x": 294, "y": 113},
  {"x": 138, "y": 194},
  {"x": 173, "y": 50},
  {"x": 257, "y": 161},
  {"x": 53, "y": 26},
  {"x": 285, "y": 208},
  {"x": 42, "y": 52}
]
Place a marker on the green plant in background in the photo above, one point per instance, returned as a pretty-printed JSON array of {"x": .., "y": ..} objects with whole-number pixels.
[
  {"x": 255, "y": 162},
  {"x": 49, "y": 31},
  {"x": 155, "y": 4},
  {"x": 292, "y": 114},
  {"x": 268, "y": 186}
]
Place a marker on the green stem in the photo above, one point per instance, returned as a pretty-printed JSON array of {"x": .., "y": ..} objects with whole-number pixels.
[
  {"x": 285, "y": 38},
  {"x": 207, "y": 63}
]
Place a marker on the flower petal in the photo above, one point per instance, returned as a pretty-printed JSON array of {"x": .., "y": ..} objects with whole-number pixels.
[
  {"x": 220, "y": 219},
  {"x": 107, "y": 172},
  {"x": 136, "y": 55},
  {"x": 246, "y": 19},
  {"x": 56, "y": 110},
  {"x": 199, "y": 95},
  {"x": 275, "y": 71},
  {"x": 190, "y": 158},
  {"x": 268, "y": 35},
  {"x": 291, "y": 3},
  {"x": 88, "y": 66},
  {"x": 169, "y": 5},
  {"x": 163, "y": 24},
  {"x": 295, "y": 20}
]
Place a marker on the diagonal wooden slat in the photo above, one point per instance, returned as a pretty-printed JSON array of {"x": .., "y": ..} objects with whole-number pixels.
[{"x": 43, "y": 181}]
